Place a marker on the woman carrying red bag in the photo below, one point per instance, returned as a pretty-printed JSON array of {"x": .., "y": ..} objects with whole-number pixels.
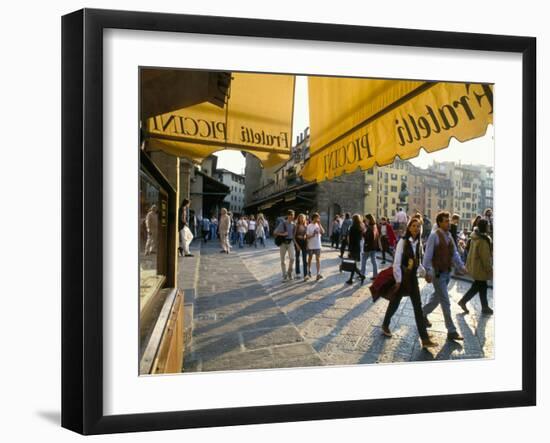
[{"x": 407, "y": 260}]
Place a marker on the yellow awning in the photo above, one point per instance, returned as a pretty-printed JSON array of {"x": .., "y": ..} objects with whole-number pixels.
[
  {"x": 357, "y": 123},
  {"x": 257, "y": 118}
]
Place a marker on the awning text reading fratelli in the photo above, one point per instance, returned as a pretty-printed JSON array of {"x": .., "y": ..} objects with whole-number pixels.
[{"x": 413, "y": 115}]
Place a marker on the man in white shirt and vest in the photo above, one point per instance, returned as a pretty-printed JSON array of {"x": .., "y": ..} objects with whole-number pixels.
[{"x": 441, "y": 253}]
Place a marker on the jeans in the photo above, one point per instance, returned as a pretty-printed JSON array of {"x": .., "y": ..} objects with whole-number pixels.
[
  {"x": 364, "y": 258},
  {"x": 241, "y": 239},
  {"x": 213, "y": 229},
  {"x": 440, "y": 296},
  {"x": 477, "y": 286},
  {"x": 303, "y": 253},
  {"x": 284, "y": 249}
]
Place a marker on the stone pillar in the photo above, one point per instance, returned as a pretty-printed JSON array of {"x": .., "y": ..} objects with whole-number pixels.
[{"x": 186, "y": 168}]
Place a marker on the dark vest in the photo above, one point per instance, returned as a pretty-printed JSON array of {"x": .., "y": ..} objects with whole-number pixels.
[
  {"x": 443, "y": 254},
  {"x": 410, "y": 261}
]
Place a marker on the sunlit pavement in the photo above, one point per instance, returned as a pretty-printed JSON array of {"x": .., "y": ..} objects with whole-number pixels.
[{"x": 246, "y": 317}]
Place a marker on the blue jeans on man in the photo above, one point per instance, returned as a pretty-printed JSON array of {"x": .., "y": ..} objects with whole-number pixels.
[
  {"x": 241, "y": 239},
  {"x": 440, "y": 296},
  {"x": 364, "y": 257}
]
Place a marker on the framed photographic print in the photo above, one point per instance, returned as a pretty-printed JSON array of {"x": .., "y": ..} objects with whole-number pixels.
[{"x": 269, "y": 221}]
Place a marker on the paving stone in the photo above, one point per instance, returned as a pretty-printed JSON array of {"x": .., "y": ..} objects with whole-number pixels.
[
  {"x": 293, "y": 351},
  {"x": 227, "y": 324},
  {"x": 263, "y": 338},
  {"x": 247, "y": 318},
  {"x": 258, "y": 359},
  {"x": 216, "y": 345}
]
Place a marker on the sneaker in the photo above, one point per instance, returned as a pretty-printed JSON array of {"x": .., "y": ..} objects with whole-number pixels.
[
  {"x": 290, "y": 276},
  {"x": 306, "y": 278},
  {"x": 285, "y": 277},
  {"x": 462, "y": 304},
  {"x": 349, "y": 282},
  {"x": 386, "y": 331},
  {"x": 487, "y": 311},
  {"x": 319, "y": 277},
  {"x": 454, "y": 336}
]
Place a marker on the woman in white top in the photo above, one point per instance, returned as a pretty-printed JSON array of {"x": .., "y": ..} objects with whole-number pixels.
[
  {"x": 252, "y": 231},
  {"x": 406, "y": 264},
  {"x": 242, "y": 228},
  {"x": 260, "y": 232},
  {"x": 313, "y": 236}
]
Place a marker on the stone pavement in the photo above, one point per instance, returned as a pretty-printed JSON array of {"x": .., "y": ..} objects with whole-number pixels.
[{"x": 246, "y": 317}]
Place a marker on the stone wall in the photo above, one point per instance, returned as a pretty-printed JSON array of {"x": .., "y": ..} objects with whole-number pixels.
[{"x": 342, "y": 194}]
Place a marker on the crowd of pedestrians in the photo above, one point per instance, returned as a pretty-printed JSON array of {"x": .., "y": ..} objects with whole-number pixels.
[{"x": 416, "y": 247}]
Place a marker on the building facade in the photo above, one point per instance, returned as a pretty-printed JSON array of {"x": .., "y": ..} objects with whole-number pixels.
[
  {"x": 234, "y": 201},
  {"x": 444, "y": 186}
]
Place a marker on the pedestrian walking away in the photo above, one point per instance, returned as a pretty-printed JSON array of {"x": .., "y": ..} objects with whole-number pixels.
[
  {"x": 260, "y": 230},
  {"x": 480, "y": 267},
  {"x": 407, "y": 263},
  {"x": 213, "y": 228},
  {"x": 346, "y": 224},
  {"x": 387, "y": 238},
  {"x": 300, "y": 243},
  {"x": 285, "y": 230},
  {"x": 223, "y": 229},
  {"x": 242, "y": 229},
  {"x": 266, "y": 227},
  {"x": 453, "y": 228},
  {"x": 441, "y": 254},
  {"x": 355, "y": 234},
  {"x": 205, "y": 226},
  {"x": 401, "y": 220},
  {"x": 335, "y": 235},
  {"x": 313, "y": 234},
  {"x": 252, "y": 231},
  {"x": 370, "y": 245}
]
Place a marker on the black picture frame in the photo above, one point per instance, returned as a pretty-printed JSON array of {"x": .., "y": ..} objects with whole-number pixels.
[{"x": 82, "y": 232}]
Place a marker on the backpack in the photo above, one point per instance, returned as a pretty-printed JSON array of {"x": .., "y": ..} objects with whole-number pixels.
[{"x": 279, "y": 239}]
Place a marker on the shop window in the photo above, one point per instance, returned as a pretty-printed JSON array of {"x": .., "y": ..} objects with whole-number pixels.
[{"x": 153, "y": 238}]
